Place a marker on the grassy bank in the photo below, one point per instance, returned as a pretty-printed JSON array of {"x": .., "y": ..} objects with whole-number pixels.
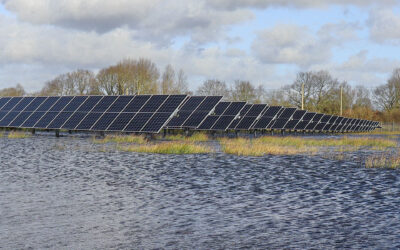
[
  {"x": 138, "y": 139},
  {"x": 196, "y": 137},
  {"x": 168, "y": 148},
  {"x": 297, "y": 145},
  {"x": 18, "y": 135}
]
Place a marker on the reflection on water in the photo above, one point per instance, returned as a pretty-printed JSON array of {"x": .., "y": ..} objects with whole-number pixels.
[{"x": 67, "y": 193}]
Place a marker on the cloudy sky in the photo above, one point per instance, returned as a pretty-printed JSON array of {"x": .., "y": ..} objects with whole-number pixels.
[{"x": 264, "y": 41}]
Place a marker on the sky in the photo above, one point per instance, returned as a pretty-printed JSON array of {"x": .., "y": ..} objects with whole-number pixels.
[{"x": 264, "y": 41}]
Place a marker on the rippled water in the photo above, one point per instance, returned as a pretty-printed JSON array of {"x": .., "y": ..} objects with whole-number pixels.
[{"x": 66, "y": 193}]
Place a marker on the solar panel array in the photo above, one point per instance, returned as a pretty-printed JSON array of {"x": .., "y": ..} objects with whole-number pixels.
[
  {"x": 141, "y": 113},
  {"x": 151, "y": 113}
]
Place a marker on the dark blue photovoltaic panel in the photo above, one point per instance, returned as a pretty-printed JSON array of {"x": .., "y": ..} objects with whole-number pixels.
[
  {"x": 279, "y": 123},
  {"x": 209, "y": 103},
  {"x": 291, "y": 124},
  {"x": 11, "y": 103},
  {"x": 208, "y": 122},
  {"x": 46, "y": 105},
  {"x": 136, "y": 103},
  {"x": 287, "y": 113},
  {"x": 89, "y": 121},
  {"x": 302, "y": 125},
  {"x": 311, "y": 125},
  {"x": 3, "y": 101},
  {"x": 308, "y": 116},
  {"x": 8, "y": 118},
  {"x": 327, "y": 127},
  {"x": 45, "y": 120},
  {"x": 272, "y": 111},
  {"x": 105, "y": 121},
  {"x": 234, "y": 124},
  {"x": 61, "y": 103},
  {"x": 246, "y": 122},
  {"x": 153, "y": 103},
  {"x": 221, "y": 107},
  {"x": 20, "y": 119},
  {"x": 320, "y": 126},
  {"x": 333, "y": 119},
  {"x": 89, "y": 103},
  {"x": 245, "y": 109},
  {"x": 262, "y": 123},
  {"x": 104, "y": 104},
  {"x": 234, "y": 108},
  {"x": 172, "y": 103},
  {"x": 317, "y": 117},
  {"x": 33, "y": 119},
  {"x": 138, "y": 122},
  {"x": 74, "y": 120},
  {"x": 192, "y": 103},
  {"x": 75, "y": 103},
  {"x": 223, "y": 122},
  {"x": 195, "y": 119},
  {"x": 179, "y": 119},
  {"x": 2, "y": 114},
  {"x": 326, "y": 118},
  {"x": 156, "y": 122},
  {"x": 23, "y": 103},
  {"x": 35, "y": 103},
  {"x": 256, "y": 110},
  {"x": 120, "y": 103},
  {"x": 121, "y": 121},
  {"x": 59, "y": 120},
  {"x": 299, "y": 114}
]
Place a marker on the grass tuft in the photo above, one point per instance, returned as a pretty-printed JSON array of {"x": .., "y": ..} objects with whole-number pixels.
[
  {"x": 18, "y": 135},
  {"x": 121, "y": 139},
  {"x": 169, "y": 148},
  {"x": 382, "y": 161},
  {"x": 196, "y": 137}
]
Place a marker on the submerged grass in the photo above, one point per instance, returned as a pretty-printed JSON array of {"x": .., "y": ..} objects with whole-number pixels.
[
  {"x": 382, "y": 161},
  {"x": 169, "y": 148},
  {"x": 138, "y": 139},
  {"x": 18, "y": 135}
]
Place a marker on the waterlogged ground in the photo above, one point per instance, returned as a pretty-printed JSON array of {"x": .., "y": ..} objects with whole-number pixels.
[{"x": 67, "y": 193}]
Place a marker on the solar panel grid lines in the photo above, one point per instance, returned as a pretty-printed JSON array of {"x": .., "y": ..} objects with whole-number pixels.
[
  {"x": 228, "y": 113},
  {"x": 208, "y": 122},
  {"x": 204, "y": 109},
  {"x": 65, "y": 114},
  {"x": 11, "y": 103},
  {"x": 234, "y": 108},
  {"x": 102, "y": 107},
  {"x": 11, "y": 115},
  {"x": 87, "y": 106},
  {"x": 250, "y": 119},
  {"x": 299, "y": 114},
  {"x": 3, "y": 101}
]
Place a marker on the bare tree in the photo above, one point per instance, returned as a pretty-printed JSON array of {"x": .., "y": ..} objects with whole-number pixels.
[
  {"x": 243, "y": 91},
  {"x": 387, "y": 96},
  {"x": 167, "y": 81},
  {"x": 181, "y": 85},
  {"x": 213, "y": 87},
  {"x": 18, "y": 90}
]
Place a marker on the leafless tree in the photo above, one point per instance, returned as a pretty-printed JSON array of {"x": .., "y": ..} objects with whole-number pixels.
[
  {"x": 18, "y": 90},
  {"x": 213, "y": 87}
]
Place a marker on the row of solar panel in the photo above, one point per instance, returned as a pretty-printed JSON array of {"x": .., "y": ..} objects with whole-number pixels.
[
  {"x": 141, "y": 113},
  {"x": 151, "y": 113}
]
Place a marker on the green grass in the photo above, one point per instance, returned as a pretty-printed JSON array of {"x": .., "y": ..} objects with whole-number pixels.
[
  {"x": 196, "y": 137},
  {"x": 18, "y": 135},
  {"x": 178, "y": 148},
  {"x": 137, "y": 139},
  {"x": 383, "y": 161}
]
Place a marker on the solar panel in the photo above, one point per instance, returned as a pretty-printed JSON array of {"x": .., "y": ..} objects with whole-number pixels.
[
  {"x": 59, "y": 120},
  {"x": 48, "y": 103},
  {"x": 156, "y": 122},
  {"x": 25, "y": 101},
  {"x": 301, "y": 125},
  {"x": 308, "y": 116},
  {"x": 11, "y": 103},
  {"x": 74, "y": 120},
  {"x": 223, "y": 122},
  {"x": 298, "y": 114},
  {"x": 234, "y": 109},
  {"x": 263, "y": 122},
  {"x": 256, "y": 110},
  {"x": 45, "y": 120},
  {"x": 3, "y": 101},
  {"x": 192, "y": 103},
  {"x": 179, "y": 119},
  {"x": 246, "y": 122},
  {"x": 104, "y": 104},
  {"x": 320, "y": 126},
  {"x": 201, "y": 112},
  {"x": 279, "y": 123},
  {"x": 317, "y": 117},
  {"x": 221, "y": 107},
  {"x": 89, "y": 103},
  {"x": 35, "y": 103},
  {"x": 208, "y": 122},
  {"x": 75, "y": 103},
  {"x": 326, "y": 118},
  {"x": 89, "y": 120},
  {"x": 7, "y": 119},
  {"x": 272, "y": 111},
  {"x": 33, "y": 119},
  {"x": 153, "y": 103},
  {"x": 209, "y": 103},
  {"x": 290, "y": 125},
  {"x": 105, "y": 121},
  {"x": 61, "y": 103},
  {"x": 22, "y": 116},
  {"x": 138, "y": 122},
  {"x": 121, "y": 121},
  {"x": 120, "y": 103},
  {"x": 2, "y": 114},
  {"x": 172, "y": 103},
  {"x": 287, "y": 113}
]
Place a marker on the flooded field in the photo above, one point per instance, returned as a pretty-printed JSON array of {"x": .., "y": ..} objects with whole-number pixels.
[{"x": 69, "y": 193}]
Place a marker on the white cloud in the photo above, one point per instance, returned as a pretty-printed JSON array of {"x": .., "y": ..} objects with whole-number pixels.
[{"x": 384, "y": 26}]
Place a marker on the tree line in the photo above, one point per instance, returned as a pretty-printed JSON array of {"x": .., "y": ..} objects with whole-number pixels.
[{"x": 322, "y": 92}]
